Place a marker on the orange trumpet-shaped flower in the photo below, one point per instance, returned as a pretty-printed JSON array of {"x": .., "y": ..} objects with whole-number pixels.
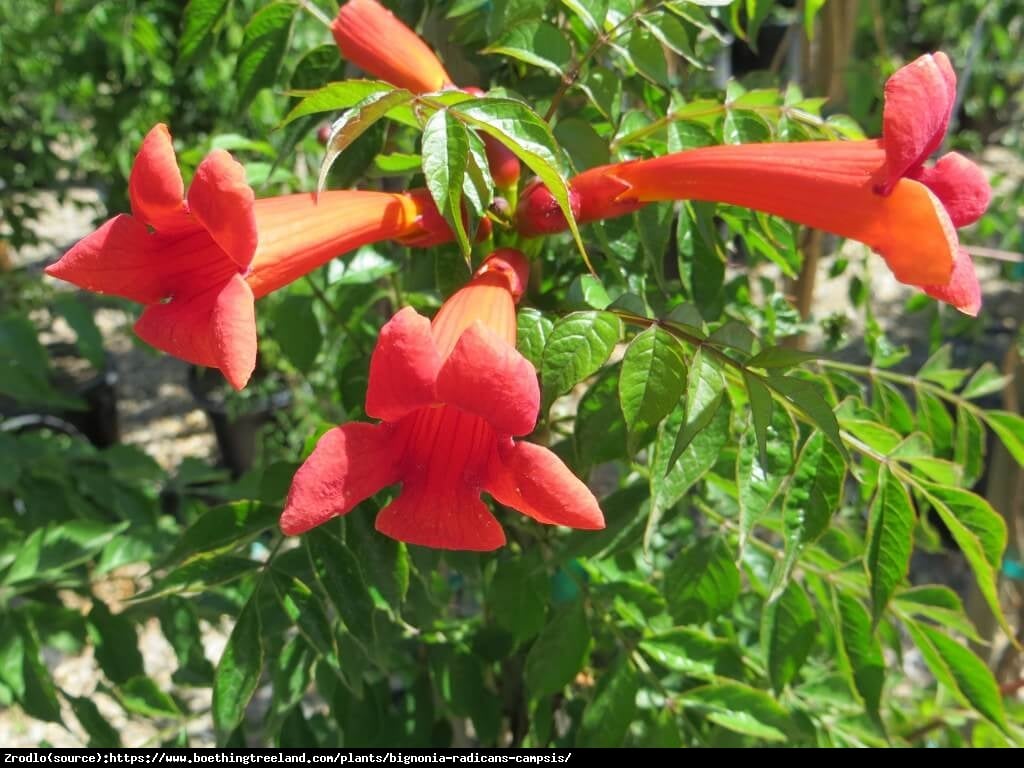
[
  {"x": 450, "y": 396},
  {"x": 372, "y": 38},
  {"x": 876, "y": 191},
  {"x": 198, "y": 263}
]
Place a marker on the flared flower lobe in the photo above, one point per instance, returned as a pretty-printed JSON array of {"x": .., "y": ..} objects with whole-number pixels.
[
  {"x": 451, "y": 394},
  {"x": 919, "y": 100}
]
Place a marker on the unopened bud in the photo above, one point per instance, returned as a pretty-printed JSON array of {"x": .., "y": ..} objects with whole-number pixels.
[{"x": 539, "y": 213}]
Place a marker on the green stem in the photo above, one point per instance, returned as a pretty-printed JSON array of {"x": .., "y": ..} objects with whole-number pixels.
[
  {"x": 315, "y": 12},
  {"x": 570, "y": 79},
  {"x": 396, "y": 287},
  {"x": 769, "y": 109},
  {"x": 906, "y": 380},
  {"x": 322, "y": 298}
]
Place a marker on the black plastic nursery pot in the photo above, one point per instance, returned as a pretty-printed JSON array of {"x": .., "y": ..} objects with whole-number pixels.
[
  {"x": 78, "y": 378},
  {"x": 98, "y": 389},
  {"x": 237, "y": 423},
  {"x": 745, "y": 58}
]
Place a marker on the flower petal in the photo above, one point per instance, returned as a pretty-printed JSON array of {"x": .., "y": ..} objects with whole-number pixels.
[
  {"x": 349, "y": 464},
  {"x": 234, "y": 331},
  {"x": 403, "y": 367},
  {"x": 155, "y": 188},
  {"x": 372, "y": 38},
  {"x": 215, "y": 328},
  {"x": 222, "y": 201},
  {"x": 486, "y": 376},
  {"x": 534, "y": 480},
  {"x": 961, "y": 186},
  {"x": 914, "y": 235},
  {"x": 119, "y": 258},
  {"x": 919, "y": 99},
  {"x": 963, "y": 290},
  {"x": 457, "y": 519}
]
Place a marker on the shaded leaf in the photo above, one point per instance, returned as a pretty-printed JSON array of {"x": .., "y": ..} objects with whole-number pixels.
[
  {"x": 355, "y": 122},
  {"x": 445, "y": 155},
  {"x": 979, "y": 532},
  {"x": 607, "y": 717},
  {"x": 338, "y": 569},
  {"x": 890, "y": 540},
  {"x": 116, "y": 643},
  {"x": 201, "y": 17},
  {"x": 238, "y": 671},
  {"x": 516, "y": 598},
  {"x": 705, "y": 390},
  {"x": 536, "y": 43},
  {"x": 297, "y": 331},
  {"x": 577, "y": 347},
  {"x": 741, "y": 709},
  {"x": 652, "y": 378},
  {"x": 335, "y": 96},
  {"x": 702, "y": 582},
  {"x": 1009, "y": 428},
  {"x": 689, "y": 651},
  {"x": 861, "y": 650},
  {"x": 760, "y": 410},
  {"x": 143, "y": 696},
  {"x": 807, "y": 398},
  {"x": 960, "y": 671},
  {"x": 780, "y": 357},
  {"x": 180, "y": 625},
  {"x": 788, "y": 632},
  {"x": 668, "y": 486},
  {"x": 199, "y": 574},
  {"x": 223, "y": 528},
  {"x": 101, "y": 733},
  {"x": 558, "y": 653},
  {"x": 305, "y": 609},
  {"x": 37, "y": 694},
  {"x": 761, "y": 474},
  {"x": 599, "y": 433},
  {"x": 384, "y": 562},
  {"x": 263, "y": 49}
]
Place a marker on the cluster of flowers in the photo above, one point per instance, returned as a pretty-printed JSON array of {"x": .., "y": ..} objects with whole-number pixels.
[{"x": 452, "y": 393}]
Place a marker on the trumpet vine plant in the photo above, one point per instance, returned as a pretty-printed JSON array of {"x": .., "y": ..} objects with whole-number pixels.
[{"x": 564, "y": 466}]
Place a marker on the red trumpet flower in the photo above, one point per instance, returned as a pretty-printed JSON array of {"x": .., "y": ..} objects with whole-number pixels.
[
  {"x": 450, "y": 396},
  {"x": 374, "y": 40},
  {"x": 370, "y": 36},
  {"x": 199, "y": 263},
  {"x": 878, "y": 192}
]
